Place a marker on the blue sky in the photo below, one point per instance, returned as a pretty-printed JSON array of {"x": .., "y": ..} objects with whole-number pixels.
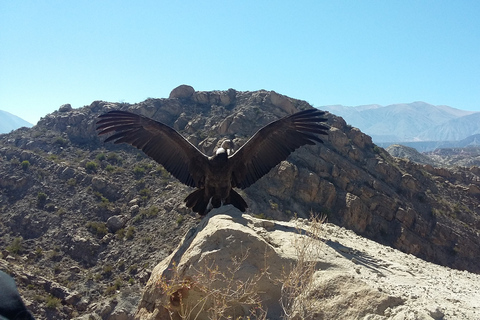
[{"x": 325, "y": 52}]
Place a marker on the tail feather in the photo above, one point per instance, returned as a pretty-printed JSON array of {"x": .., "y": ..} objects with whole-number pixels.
[
  {"x": 237, "y": 201},
  {"x": 199, "y": 203}
]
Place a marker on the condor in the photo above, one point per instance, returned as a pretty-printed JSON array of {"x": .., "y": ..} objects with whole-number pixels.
[{"x": 215, "y": 176}]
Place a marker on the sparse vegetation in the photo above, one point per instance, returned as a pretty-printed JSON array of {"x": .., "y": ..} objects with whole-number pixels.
[
  {"x": 107, "y": 270},
  {"x": 60, "y": 141},
  {"x": 113, "y": 158},
  {"x": 98, "y": 228},
  {"x": 180, "y": 219},
  {"x": 25, "y": 164},
  {"x": 130, "y": 233},
  {"x": 273, "y": 205},
  {"x": 72, "y": 182},
  {"x": 16, "y": 246},
  {"x": 91, "y": 166},
  {"x": 41, "y": 199},
  {"x": 113, "y": 288},
  {"x": 138, "y": 171},
  {"x": 120, "y": 234},
  {"x": 146, "y": 213},
  {"x": 52, "y": 302},
  {"x": 100, "y": 157}
]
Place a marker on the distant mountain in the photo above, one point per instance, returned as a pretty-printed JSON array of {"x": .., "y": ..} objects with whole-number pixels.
[
  {"x": 454, "y": 130},
  {"x": 9, "y": 122},
  {"x": 417, "y": 121}
]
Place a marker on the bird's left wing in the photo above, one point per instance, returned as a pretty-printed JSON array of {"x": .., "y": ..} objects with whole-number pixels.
[
  {"x": 273, "y": 143},
  {"x": 157, "y": 140}
]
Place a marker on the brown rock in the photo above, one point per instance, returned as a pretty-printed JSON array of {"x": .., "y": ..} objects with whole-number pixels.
[{"x": 182, "y": 92}]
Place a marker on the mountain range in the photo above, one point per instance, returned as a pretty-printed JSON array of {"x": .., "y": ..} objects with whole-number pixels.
[
  {"x": 412, "y": 124},
  {"x": 9, "y": 122}
]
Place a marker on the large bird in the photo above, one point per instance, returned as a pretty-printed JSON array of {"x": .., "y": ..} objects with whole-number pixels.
[{"x": 215, "y": 176}]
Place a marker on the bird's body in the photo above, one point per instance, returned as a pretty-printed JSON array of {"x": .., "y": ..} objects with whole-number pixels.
[{"x": 215, "y": 176}]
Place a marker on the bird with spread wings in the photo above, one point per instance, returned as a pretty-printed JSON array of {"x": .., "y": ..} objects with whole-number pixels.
[{"x": 215, "y": 177}]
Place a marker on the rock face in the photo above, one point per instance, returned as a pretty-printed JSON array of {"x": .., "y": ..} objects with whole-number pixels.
[{"x": 350, "y": 277}]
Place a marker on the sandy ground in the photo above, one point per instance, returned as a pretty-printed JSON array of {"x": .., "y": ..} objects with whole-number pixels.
[{"x": 428, "y": 290}]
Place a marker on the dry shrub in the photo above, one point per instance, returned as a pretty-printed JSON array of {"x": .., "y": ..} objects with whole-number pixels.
[
  {"x": 297, "y": 281},
  {"x": 213, "y": 293}
]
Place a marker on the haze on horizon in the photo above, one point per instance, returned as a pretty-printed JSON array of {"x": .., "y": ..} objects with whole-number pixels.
[{"x": 344, "y": 52}]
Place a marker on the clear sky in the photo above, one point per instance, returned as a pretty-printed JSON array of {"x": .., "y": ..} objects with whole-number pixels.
[{"x": 325, "y": 52}]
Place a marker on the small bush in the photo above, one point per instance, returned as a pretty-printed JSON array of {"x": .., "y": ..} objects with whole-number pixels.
[
  {"x": 130, "y": 233},
  {"x": 91, "y": 166},
  {"x": 101, "y": 157},
  {"x": 180, "y": 219},
  {"x": 108, "y": 268},
  {"x": 52, "y": 302},
  {"x": 138, "y": 171},
  {"x": 25, "y": 164},
  {"x": 16, "y": 246},
  {"x": 120, "y": 233},
  {"x": 221, "y": 290},
  {"x": 60, "y": 141},
  {"x": 116, "y": 286},
  {"x": 110, "y": 168},
  {"x": 112, "y": 157},
  {"x": 72, "y": 182},
  {"x": 145, "y": 194},
  {"x": 99, "y": 228},
  {"x": 151, "y": 212},
  {"x": 41, "y": 199},
  {"x": 38, "y": 252}
]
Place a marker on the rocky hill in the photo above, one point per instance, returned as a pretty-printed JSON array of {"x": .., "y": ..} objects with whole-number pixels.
[
  {"x": 442, "y": 157},
  {"x": 83, "y": 222},
  {"x": 412, "y": 154},
  {"x": 456, "y": 157}
]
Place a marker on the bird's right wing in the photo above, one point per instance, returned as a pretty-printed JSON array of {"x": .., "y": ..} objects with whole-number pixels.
[
  {"x": 273, "y": 143},
  {"x": 157, "y": 140}
]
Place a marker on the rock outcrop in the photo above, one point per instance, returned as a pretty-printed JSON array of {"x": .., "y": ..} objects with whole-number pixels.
[{"x": 233, "y": 256}]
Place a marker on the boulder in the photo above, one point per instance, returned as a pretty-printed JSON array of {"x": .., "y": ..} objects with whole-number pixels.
[
  {"x": 65, "y": 108},
  {"x": 235, "y": 265},
  {"x": 182, "y": 92},
  {"x": 115, "y": 223}
]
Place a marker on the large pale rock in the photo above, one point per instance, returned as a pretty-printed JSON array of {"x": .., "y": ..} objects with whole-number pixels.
[
  {"x": 216, "y": 243},
  {"x": 353, "y": 278}
]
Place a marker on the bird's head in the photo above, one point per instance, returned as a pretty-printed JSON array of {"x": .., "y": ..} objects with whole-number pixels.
[{"x": 227, "y": 146}]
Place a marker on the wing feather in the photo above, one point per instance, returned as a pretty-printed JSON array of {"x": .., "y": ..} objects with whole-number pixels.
[
  {"x": 157, "y": 140},
  {"x": 273, "y": 143}
]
